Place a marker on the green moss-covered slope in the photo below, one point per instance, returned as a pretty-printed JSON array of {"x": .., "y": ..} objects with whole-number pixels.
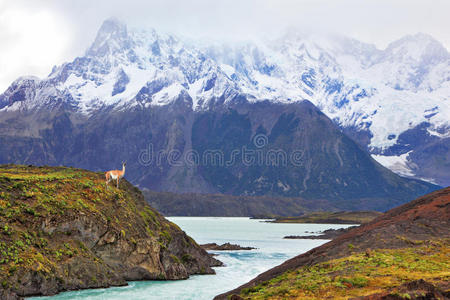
[
  {"x": 62, "y": 229},
  {"x": 379, "y": 271}
]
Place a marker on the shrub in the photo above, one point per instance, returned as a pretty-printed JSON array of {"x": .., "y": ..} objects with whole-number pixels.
[{"x": 356, "y": 281}]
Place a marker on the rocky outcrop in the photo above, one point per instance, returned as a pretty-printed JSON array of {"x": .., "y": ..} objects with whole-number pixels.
[
  {"x": 226, "y": 246},
  {"x": 328, "y": 234},
  {"x": 62, "y": 229},
  {"x": 8, "y": 295},
  {"x": 413, "y": 290}
]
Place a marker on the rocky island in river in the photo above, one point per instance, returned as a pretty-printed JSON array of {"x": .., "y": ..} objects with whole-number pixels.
[{"x": 225, "y": 247}]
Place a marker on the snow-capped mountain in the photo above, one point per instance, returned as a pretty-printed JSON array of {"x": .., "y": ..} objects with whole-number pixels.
[{"x": 394, "y": 102}]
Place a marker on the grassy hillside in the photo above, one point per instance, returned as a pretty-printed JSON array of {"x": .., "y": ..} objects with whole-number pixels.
[
  {"x": 361, "y": 274},
  {"x": 62, "y": 229},
  {"x": 402, "y": 254}
]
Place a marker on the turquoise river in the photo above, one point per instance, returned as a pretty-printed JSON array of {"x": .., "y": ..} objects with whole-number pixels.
[{"x": 240, "y": 266}]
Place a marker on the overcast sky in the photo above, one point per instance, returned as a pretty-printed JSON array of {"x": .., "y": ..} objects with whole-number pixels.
[{"x": 35, "y": 35}]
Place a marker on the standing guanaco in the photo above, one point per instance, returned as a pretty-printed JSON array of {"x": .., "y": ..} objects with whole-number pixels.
[{"x": 115, "y": 174}]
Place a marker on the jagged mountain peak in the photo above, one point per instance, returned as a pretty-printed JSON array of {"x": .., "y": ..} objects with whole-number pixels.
[
  {"x": 334, "y": 43},
  {"x": 111, "y": 37},
  {"x": 20, "y": 90},
  {"x": 23, "y": 80},
  {"x": 417, "y": 38},
  {"x": 112, "y": 24},
  {"x": 418, "y": 47}
]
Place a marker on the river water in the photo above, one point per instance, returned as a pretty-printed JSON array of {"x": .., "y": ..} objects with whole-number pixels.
[{"x": 240, "y": 266}]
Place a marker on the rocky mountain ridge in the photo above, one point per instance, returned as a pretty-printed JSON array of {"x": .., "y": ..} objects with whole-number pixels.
[
  {"x": 394, "y": 102},
  {"x": 252, "y": 149},
  {"x": 187, "y": 123}
]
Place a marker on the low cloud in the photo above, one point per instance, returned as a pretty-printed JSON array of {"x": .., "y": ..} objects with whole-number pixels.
[{"x": 35, "y": 35}]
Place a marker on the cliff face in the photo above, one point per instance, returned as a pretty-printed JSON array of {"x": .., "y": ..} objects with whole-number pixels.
[
  {"x": 62, "y": 229},
  {"x": 392, "y": 254}
]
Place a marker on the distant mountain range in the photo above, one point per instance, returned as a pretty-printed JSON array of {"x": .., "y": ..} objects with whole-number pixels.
[{"x": 243, "y": 119}]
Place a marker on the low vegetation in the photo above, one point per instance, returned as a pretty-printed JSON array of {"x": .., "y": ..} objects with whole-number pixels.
[
  {"x": 402, "y": 254},
  {"x": 31, "y": 195},
  {"x": 62, "y": 228},
  {"x": 360, "y": 274},
  {"x": 341, "y": 217}
]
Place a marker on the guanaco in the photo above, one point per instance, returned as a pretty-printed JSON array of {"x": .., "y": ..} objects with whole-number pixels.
[{"x": 115, "y": 174}]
